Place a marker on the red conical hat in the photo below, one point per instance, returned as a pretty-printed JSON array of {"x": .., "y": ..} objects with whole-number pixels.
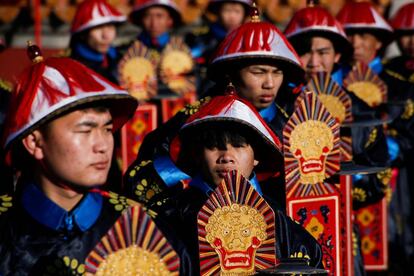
[
  {"x": 92, "y": 13},
  {"x": 230, "y": 109},
  {"x": 255, "y": 41},
  {"x": 314, "y": 20},
  {"x": 141, "y": 5},
  {"x": 49, "y": 88},
  {"x": 403, "y": 20},
  {"x": 362, "y": 16}
]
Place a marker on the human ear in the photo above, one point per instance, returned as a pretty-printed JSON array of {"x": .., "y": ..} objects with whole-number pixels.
[
  {"x": 33, "y": 144},
  {"x": 337, "y": 57},
  {"x": 255, "y": 163}
]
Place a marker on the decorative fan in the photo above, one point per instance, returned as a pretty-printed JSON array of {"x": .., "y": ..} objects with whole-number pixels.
[
  {"x": 311, "y": 147},
  {"x": 176, "y": 66},
  {"x": 236, "y": 230},
  {"x": 366, "y": 85},
  {"x": 133, "y": 246},
  {"x": 137, "y": 71},
  {"x": 332, "y": 96}
]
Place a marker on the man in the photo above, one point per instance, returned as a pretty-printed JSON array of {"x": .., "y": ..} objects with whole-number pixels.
[
  {"x": 226, "y": 134},
  {"x": 93, "y": 33},
  {"x": 58, "y": 135},
  {"x": 368, "y": 32},
  {"x": 157, "y": 20}
]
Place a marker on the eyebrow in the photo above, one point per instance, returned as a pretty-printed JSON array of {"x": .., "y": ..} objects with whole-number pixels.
[
  {"x": 93, "y": 123},
  {"x": 323, "y": 49}
]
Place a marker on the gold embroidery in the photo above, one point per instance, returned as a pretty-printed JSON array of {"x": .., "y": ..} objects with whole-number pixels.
[
  {"x": 6, "y": 202},
  {"x": 367, "y": 91},
  {"x": 191, "y": 109},
  {"x": 300, "y": 255},
  {"x": 372, "y": 137},
  {"x": 359, "y": 194},
  {"x": 408, "y": 110},
  {"x": 367, "y": 245},
  {"x": 145, "y": 191},
  {"x": 65, "y": 266},
  {"x": 334, "y": 105},
  {"x": 6, "y": 85},
  {"x": 385, "y": 176},
  {"x": 120, "y": 202},
  {"x": 395, "y": 75},
  {"x": 134, "y": 171}
]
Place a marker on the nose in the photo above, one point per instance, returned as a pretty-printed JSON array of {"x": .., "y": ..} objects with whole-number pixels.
[
  {"x": 355, "y": 40},
  {"x": 269, "y": 82},
  {"x": 314, "y": 61},
  {"x": 225, "y": 157},
  {"x": 103, "y": 142}
]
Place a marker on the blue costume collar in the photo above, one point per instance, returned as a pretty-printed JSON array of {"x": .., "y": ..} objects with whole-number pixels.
[
  {"x": 269, "y": 113},
  {"x": 90, "y": 54},
  {"x": 168, "y": 171},
  {"x": 161, "y": 40},
  {"x": 48, "y": 213},
  {"x": 376, "y": 65},
  {"x": 218, "y": 31},
  {"x": 207, "y": 188}
]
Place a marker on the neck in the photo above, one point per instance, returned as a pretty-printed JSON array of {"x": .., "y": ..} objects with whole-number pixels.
[{"x": 60, "y": 194}]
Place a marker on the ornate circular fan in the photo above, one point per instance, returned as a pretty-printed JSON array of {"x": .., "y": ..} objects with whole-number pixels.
[
  {"x": 133, "y": 246},
  {"x": 311, "y": 147},
  {"x": 332, "y": 96},
  {"x": 366, "y": 85},
  {"x": 137, "y": 71},
  {"x": 236, "y": 230},
  {"x": 176, "y": 66}
]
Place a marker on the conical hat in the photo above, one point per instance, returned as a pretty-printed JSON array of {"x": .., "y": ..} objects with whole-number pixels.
[
  {"x": 403, "y": 20},
  {"x": 317, "y": 21},
  {"x": 51, "y": 87},
  {"x": 232, "y": 110},
  {"x": 92, "y": 13},
  {"x": 255, "y": 41},
  {"x": 361, "y": 16}
]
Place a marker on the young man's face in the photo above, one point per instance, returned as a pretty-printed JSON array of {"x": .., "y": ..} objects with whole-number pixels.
[
  {"x": 101, "y": 38},
  {"x": 77, "y": 148},
  {"x": 365, "y": 46},
  {"x": 259, "y": 84},
  {"x": 406, "y": 43},
  {"x": 157, "y": 21},
  {"x": 231, "y": 15},
  {"x": 216, "y": 163},
  {"x": 321, "y": 57}
]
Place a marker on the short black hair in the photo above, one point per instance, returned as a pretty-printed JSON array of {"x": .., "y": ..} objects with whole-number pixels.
[{"x": 213, "y": 135}]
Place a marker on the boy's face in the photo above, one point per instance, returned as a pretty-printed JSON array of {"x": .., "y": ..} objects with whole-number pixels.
[
  {"x": 320, "y": 58},
  {"x": 157, "y": 21},
  {"x": 76, "y": 148},
  {"x": 231, "y": 15},
  {"x": 216, "y": 163},
  {"x": 100, "y": 38},
  {"x": 365, "y": 46},
  {"x": 406, "y": 43},
  {"x": 259, "y": 84}
]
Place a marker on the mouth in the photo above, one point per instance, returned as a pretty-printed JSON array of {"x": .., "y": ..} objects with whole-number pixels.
[
  {"x": 266, "y": 98},
  {"x": 103, "y": 165}
]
